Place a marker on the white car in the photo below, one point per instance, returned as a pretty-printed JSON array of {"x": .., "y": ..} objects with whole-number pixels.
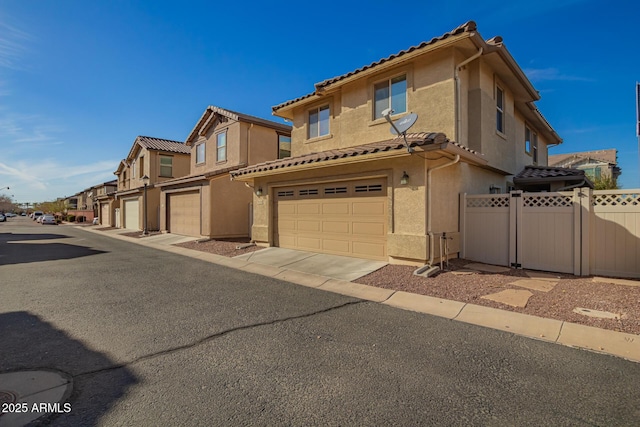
[
  {"x": 3, "y": 218},
  {"x": 47, "y": 219}
]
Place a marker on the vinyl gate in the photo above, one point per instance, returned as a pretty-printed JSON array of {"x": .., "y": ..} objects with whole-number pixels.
[{"x": 580, "y": 232}]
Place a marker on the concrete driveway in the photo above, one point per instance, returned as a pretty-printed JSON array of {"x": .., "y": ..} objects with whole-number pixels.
[{"x": 335, "y": 266}]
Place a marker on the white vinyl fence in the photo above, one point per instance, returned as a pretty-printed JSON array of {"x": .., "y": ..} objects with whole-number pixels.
[{"x": 580, "y": 232}]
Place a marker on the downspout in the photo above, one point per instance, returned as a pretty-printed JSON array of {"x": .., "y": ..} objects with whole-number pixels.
[
  {"x": 456, "y": 77},
  {"x": 429, "y": 190},
  {"x": 569, "y": 187}
]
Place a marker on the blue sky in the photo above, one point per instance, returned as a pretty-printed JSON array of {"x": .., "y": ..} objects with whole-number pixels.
[{"x": 79, "y": 80}]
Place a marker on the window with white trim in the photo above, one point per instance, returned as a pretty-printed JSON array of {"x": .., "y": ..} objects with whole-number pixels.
[
  {"x": 284, "y": 146},
  {"x": 319, "y": 122},
  {"x": 221, "y": 147},
  {"x": 499, "y": 109},
  {"x": 392, "y": 94},
  {"x": 200, "y": 153},
  {"x": 166, "y": 166}
]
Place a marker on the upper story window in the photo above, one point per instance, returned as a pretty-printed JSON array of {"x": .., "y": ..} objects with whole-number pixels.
[
  {"x": 133, "y": 169},
  {"x": 319, "y": 122},
  {"x": 284, "y": 146},
  {"x": 166, "y": 166},
  {"x": 499, "y": 109},
  {"x": 200, "y": 153},
  {"x": 392, "y": 94},
  {"x": 221, "y": 146},
  {"x": 141, "y": 167},
  {"x": 531, "y": 143}
]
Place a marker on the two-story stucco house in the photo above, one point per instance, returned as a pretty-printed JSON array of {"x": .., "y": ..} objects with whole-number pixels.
[
  {"x": 206, "y": 203},
  {"x": 105, "y": 201},
  {"x": 158, "y": 160},
  {"x": 352, "y": 188}
]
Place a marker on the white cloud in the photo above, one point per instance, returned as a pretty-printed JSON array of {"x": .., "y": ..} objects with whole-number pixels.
[
  {"x": 13, "y": 43},
  {"x": 551, "y": 74}
]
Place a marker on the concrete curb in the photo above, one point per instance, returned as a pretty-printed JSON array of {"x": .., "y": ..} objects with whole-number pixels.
[{"x": 603, "y": 341}]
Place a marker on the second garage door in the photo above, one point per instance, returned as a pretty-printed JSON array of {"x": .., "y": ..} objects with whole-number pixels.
[
  {"x": 132, "y": 214},
  {"x": 105, "y": 217},
  {"x": 342, "y": 218},
  {"x": 183, "y": 215}
]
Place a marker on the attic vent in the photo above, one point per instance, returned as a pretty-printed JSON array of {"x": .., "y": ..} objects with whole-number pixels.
[
  {"x": 368, "y": 188},
  {"x": 285, "y": 193},
  {"x": 335, "y": 190},
  {"x": 309, "y": 192}
]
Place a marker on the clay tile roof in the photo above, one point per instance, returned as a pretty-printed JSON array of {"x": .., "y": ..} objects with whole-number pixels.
[
  {"x": 414, "y": 139},
  {"x": 545, "y": 172},
  {"x": 464, "y": 28},
  {"x": 159, "y": 144}
]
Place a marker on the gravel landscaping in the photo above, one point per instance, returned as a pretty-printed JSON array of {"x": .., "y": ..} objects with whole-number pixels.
[{"x": 569, "y": 293}]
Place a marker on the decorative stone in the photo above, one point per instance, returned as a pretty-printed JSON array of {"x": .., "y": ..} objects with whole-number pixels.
[
  {"x": 596, "y": 313},
  {"x": 536, "y": 285},
  {"x": 512, "y": 297}
]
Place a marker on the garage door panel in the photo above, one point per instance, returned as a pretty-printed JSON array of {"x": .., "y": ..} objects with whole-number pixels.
[
  {"x": 347, "y": 218},
  {"x": 335, "y": 208},
  {"x": 369, "y": 229},
  {"x": 310, "y": 243},
  {"x": 306, "y": 208},
  {"x": 368, "y": 208},
  {"x": 336, "y": 246},
  {"x": 184, "y": 213},
  {"x": 308, "y": 225},
  {"x": 105, "y": 216},
  {"x": 335, "y": 226}
]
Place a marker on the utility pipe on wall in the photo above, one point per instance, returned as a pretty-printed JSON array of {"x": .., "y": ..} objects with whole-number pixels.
[
  {"x": 429, "y": 191},
  {"x": 456, "y": 78}
]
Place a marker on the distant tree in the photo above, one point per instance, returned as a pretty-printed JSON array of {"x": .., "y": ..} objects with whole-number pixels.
[
  {"x": 6, "y": 203},
  {"x": 55, "y": 206},
  {"x": 606, "y": 182}
]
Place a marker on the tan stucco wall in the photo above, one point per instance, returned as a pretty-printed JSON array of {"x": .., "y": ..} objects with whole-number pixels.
[
  {"x": 430, "y": 94},
  {"x": 230, "y": 201}
]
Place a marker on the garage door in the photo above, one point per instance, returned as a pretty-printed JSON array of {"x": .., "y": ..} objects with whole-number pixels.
[
  {"x": 105, "y": 217},
  {"x": 342, "y": 218},
  {"x": 132, "y": 214},
  {"x": 183, "y": 213}
]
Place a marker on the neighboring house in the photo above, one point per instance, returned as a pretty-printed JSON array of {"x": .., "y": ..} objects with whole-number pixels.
[
  {"x": 596, "y": 164},
  {"x": 157, "y": 159},
  {"x": 550, "y": 178},
  {"x": 351, "y": 188},
  {"x": 206, "y": 203},
  {"x": 106, "y": 202},
  {"x": 80, "y": 205}
]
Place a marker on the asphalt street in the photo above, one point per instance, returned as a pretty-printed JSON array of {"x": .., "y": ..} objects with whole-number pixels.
[{"x": 154, "y": 338}]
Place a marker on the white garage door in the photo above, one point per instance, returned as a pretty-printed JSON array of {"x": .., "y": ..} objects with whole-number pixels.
[
  {"x": 342, "y": 218},
  {"x": 132, "y": 214},
  {"x": 183, "y": 215}
]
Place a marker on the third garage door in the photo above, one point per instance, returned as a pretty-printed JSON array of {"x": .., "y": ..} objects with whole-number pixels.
[
  {"x": 184, "y": 213},
  {"x": 342, "y": 218}
]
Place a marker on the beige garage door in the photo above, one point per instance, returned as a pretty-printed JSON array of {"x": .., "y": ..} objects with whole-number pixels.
[
  {"x": 342, "y": 218},
  {"x": 183, "y": 213},
  {"x": 132, "y": 214},
  {"x": 105, "y": 217}
]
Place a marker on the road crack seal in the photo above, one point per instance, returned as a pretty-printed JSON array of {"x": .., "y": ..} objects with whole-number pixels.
[{"x": 215, "y": 336}]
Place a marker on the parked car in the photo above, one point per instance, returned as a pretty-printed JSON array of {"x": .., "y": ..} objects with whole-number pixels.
[
  {"x": 3, "y": 218},
  {"x": 23, "y": 214},
  {"x": 47, "y": 219},
  {"x": 37, "y": 214},
  {"x": 10, "y": 215}
]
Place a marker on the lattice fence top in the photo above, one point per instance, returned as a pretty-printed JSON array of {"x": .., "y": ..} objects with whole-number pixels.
[
  {"x": 547, "y": 201},
  {"x": 488, "y": 202},
  {"x": 616, "y": 199}
]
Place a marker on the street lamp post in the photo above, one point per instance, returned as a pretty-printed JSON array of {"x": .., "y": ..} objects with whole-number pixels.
[{"x": 145, "y": 180}]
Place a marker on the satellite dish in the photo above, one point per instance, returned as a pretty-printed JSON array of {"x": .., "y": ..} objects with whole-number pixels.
[{"x": 401, "y": 126}]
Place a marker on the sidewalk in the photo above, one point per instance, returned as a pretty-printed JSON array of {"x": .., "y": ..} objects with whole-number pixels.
[{"x": 603, "y": 341}]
